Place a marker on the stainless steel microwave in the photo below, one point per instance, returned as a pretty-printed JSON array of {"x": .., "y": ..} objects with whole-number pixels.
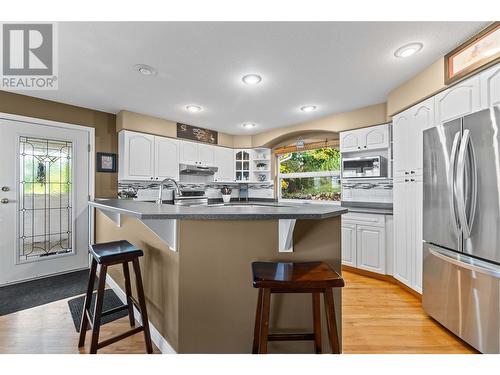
[{"x": 363, "y": 167}]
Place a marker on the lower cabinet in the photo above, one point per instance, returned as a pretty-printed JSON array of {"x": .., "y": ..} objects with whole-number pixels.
[
  {"x": 364, "y": 242},
  {"x": 370, "y": 249},
  {"x": 349, "y": 244},
  {"x": 408, "y": 231}
]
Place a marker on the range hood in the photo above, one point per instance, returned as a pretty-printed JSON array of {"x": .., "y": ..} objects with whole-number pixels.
[{"x": 199, "y": 170}]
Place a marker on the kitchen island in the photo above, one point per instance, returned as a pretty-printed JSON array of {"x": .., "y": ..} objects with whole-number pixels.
[{"x": 197, "y": 274}]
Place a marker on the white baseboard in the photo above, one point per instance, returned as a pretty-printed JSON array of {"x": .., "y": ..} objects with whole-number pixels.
[{"x": 156, "y": 337}]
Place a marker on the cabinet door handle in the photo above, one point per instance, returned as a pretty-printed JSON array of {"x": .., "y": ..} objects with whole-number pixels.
[
  {"x": 412, "y": 180},
  {"x": 364, "y": 146},
  {"x": 406, "y": 180},
  {"x": 412, "y": 172},
  {"x": 406, "y": 172}
]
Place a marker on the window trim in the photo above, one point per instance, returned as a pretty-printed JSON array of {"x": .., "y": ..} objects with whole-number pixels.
[{"x": 281, "y": 176}]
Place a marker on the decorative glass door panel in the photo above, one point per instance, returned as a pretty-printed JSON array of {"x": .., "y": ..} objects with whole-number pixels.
[
  {"x": 45, "y": 198},
  {"x": 242, "y": 169}
]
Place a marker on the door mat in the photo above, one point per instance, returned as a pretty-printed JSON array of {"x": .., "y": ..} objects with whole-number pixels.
[
  {"x": 111, "y": 300},
  {"x": 34, "y": 293}
]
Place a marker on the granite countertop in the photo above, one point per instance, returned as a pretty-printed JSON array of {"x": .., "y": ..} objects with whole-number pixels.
[{"x": 231, "y": 211}]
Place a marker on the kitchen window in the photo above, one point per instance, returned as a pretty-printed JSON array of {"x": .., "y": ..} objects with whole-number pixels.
[{"x": 310, "y": 175}]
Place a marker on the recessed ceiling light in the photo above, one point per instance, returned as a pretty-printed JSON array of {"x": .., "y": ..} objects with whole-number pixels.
[
  {"x": 248, "y": 125},
  {"x": 408, "y": 49},
  {"x": 193, "y": 108},
  {"x": 145, "y": 69},
  {"x": 251, "y": 79},
  {"x": 308, "y": 108}
]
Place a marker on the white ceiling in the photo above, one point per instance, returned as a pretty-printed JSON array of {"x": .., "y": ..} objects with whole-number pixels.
[{"x": 338, "y": 66}]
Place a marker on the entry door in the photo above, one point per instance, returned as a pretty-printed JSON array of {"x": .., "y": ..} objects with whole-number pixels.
[{"x": 44, "y": 217}]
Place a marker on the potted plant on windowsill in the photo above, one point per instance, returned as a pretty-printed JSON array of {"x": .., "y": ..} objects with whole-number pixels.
[{"x": 226, "y": 194}]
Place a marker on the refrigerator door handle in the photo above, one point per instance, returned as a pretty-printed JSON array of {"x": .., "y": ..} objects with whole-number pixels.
[
  {"x": 451, "y": 181},
  {"x": 465, "y": 261},
  {"x": 466, "y": 148}
]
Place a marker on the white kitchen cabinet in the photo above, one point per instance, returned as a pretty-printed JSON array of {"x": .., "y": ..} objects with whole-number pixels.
[
  {"x": 490, "y": 87},
  {"x": 206, "y": 154},
  {"x": 136, "y": 156},
  {"x": 417, "y": 251},
  {"x": 408, "y": 231},
  {"x": 371, "y": 138},
  {"x": 401, "y": 126},
  {"x": 363, "y": 241},
  {"x": 457, "y": 101},
  {"x": 370, "y": 248},
  {"x": 145, "y": 157},
  {"x": 197, "y": 153},
  {"x": 166, "y": 158},
  {"x": 224, "y": 161},
  {"x": 242, "y": 164},
  {"x": 188, "y": 152},
  {"x": 408, "y": 128},
  {"x": 402, "y": 234},
  {"x": 349, "y": 244}
]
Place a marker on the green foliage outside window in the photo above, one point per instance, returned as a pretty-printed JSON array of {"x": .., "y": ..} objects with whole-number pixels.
[{"x": 324, "y": 188}]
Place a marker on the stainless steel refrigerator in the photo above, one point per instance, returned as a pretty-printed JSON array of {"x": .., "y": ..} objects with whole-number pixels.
[{"x": 461, "y": 227}]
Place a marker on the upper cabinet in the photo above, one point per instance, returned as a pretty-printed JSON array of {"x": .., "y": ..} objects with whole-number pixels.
[
  {"x": 457, "y": 101},
  {"x": 408, "y": 127},
  {"x": 197, "y": 153},
  {"x": 188, "y": 152},
  {"x": 137, "y": 152},
  {"x": 372, "y": 138},
  {"x": 490, "y": 87},
  {"x": 224, "y": 158},
  {"x": 242, "y": 159},
  {"x": 166, "y": 158},
  {"x": 146, "y": 157},
  {"x": 206, "y": 154}
]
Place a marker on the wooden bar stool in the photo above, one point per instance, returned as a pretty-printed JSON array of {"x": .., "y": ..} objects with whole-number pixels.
[
  {"x": 308, "y": 277},
  {"x": 107, "y": 254}
]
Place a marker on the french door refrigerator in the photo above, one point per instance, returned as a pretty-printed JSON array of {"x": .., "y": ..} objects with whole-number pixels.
[{"x": 461, "y": 227}]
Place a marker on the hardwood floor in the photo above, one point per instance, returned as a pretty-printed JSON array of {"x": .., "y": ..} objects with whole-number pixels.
[
  {"x": 378, "y": 317},
  {"x": 50, "y": 329},
  {"x": 381, "y": 317}
]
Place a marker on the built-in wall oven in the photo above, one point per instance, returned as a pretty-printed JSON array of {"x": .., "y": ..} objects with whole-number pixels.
[{"x": 364, "y": 167}]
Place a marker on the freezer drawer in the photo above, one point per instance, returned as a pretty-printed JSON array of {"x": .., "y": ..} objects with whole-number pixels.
[{"x": 463, "y": 294}]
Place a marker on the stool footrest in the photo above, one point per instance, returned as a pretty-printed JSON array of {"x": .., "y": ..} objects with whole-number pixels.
[
  {"x": 291, "y": 337},
  {"x": 90, "y": 320},
  {"x": 136, "y": 304},
  {"x": 114, "y": 310},
  {"x": 119, "y": 337}
]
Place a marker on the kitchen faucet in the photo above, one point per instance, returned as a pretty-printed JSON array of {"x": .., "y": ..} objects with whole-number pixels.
[{"x": 177, "y": 190}]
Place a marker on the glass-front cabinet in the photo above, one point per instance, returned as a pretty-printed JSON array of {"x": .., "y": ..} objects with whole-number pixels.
[{"x": 242, "y": 165}]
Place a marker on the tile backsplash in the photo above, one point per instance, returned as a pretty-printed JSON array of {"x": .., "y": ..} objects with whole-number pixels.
[{"x": 149, "y": 191}]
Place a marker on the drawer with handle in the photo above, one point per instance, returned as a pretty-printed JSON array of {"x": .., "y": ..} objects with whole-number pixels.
[{"x": 362, "y": 218}]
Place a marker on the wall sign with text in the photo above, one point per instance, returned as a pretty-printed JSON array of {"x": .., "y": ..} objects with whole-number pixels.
[{"x": 196, "y": 134}]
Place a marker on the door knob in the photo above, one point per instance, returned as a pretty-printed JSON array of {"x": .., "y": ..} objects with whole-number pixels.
[
  {"x": 4, "y": 200},
  {"x": 5, "y": 188}
]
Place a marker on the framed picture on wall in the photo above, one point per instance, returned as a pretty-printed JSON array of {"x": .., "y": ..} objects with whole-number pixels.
[
  {"x": 106, "y": 162},
  {"x": 477, "y": 52}
]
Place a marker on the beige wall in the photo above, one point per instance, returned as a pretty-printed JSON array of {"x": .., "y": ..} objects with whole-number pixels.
[
  {"x": 103, "y": 123},
  {"x": 359, "y": 118},
  {"x": 424, "y": 84},
  {"x": 126, "y": 120}
]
